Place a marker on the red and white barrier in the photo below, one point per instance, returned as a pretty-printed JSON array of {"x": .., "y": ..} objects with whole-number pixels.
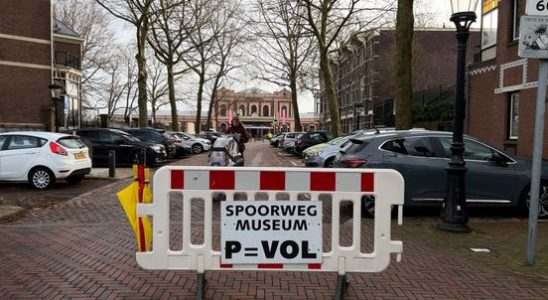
[{"x": 341, "y": 184}]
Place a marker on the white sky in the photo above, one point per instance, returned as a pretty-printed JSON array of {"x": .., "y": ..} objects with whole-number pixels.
[{"x": 440, "y": 9}]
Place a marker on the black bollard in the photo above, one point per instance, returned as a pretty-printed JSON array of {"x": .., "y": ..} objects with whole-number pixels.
[{"x": 111, "y": 163}]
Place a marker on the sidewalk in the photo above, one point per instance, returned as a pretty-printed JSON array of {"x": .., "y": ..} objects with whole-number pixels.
[{"x": 103, "y": 173}]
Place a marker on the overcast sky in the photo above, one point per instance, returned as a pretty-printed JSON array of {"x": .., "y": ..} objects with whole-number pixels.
[{"x": 439, "y": 9}]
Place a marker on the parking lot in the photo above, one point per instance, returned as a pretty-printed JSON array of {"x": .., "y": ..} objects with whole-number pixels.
[{"x": 84, "y": 248}]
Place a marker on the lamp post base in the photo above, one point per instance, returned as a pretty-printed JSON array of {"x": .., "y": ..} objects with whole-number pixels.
[{"x": 454, "y": 227}]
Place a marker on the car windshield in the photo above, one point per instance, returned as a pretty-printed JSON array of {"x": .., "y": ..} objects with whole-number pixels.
[{"x": 71, "y": 142}]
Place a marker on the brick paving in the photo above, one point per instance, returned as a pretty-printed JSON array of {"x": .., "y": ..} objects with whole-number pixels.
[{"x": 84, "y": 249}]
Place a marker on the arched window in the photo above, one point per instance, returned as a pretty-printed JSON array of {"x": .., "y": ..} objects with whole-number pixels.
[
  {"x": 311, "y": 127},
  {"x": 241, "y": 110},
  {"x": 223, "y": 110},
  {"x": 266, "y": 112},
  {"x": 253, "y": 111},
  {"x": 223, "y": 127},
  {"x": 283, "y": 112}
]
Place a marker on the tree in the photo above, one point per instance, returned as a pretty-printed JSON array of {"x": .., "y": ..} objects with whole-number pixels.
[
  {"x": 131, "y": 92},
  {"x": 404, "y": 83},
  {"x": 137, "y": 13},
  {"x": 330, "y": 21},
  {"x": 92, "y": 23},
  {"x": 157, "y": 87},
  {"x": 202, "y": 41},
  {"x": 171, "y": 29},
  {"x": 284, "y": 46}
]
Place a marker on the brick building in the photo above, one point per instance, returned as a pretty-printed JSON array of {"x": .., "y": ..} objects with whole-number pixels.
[
  {"x": 364, "y": 74},
  {"x": 259, "y": 111},
  {"x": 502, "y": 86},
  {"x": 34, "y": 53}
]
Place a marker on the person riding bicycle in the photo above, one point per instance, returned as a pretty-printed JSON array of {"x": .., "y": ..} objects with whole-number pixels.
[{"x": 236, "y": 127}]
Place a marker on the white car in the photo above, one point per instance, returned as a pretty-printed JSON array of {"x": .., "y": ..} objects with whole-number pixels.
[
  {"x": 196, "y": 144},
  {"x": 41, "y": 158}
]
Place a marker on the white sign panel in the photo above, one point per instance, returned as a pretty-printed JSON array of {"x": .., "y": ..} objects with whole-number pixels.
[
  {"x": 282, "y": 232},
  {"x": 533, "y": 37},
  {"x": 536, "y": 8}
]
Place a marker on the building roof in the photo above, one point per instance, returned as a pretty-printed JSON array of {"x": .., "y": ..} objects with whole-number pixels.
[
  {"x": 192, "y": 113},
  {"x": 62, "y": 28}
]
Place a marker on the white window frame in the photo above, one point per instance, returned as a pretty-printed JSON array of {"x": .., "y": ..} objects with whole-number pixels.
[{"x": 515, "y": 20}]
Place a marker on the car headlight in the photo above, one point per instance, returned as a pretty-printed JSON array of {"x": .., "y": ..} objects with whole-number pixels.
[{"x": 157, "y": 148}]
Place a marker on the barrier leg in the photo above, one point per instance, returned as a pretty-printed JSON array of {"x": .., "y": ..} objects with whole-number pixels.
[
  {"x": 342, "y": 285},
  {"x": 201, "y": 285}
]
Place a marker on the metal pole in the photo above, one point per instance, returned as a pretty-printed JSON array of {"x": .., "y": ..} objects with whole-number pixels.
[
  {"x": 111, "y": 163},
  {"x": 537, "y": 160},
  {"x": 454, "y": 216}
]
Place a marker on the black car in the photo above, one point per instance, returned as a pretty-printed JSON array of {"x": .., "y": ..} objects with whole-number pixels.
[
  {"x": 128, "y": 148},
  {"x": 158, "y": 136},
  {"x": 311, "y": 138}
]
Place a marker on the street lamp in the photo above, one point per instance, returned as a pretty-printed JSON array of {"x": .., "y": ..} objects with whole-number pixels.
[
  {"x": 56, "y": 98},
  {"x": 454, "y": 216}
]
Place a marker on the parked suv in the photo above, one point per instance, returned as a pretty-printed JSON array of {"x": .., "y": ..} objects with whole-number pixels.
[
  {"x": 312, "y": 138},
  {"x": 158, "y": 136},
  {"x": 129, "y": 149},
  {"x": 288, "y": 137}
]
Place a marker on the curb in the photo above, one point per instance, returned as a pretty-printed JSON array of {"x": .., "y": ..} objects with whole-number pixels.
[{"x": 9, "y": 213}]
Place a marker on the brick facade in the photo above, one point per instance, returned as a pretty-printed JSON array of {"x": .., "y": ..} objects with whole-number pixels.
[
  {"x": 492, "y": 83},
  {"x": 26, "y": 52}
]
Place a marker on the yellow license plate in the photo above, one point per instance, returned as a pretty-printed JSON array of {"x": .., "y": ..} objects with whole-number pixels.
[{"x": 80, "y": 155}]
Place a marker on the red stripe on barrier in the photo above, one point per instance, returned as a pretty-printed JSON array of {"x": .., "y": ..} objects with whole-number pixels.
[
  {"x": 314, "y": 266},
  {"x": 227, "y": 266},
  {"x": 368, "y": 182},
  {"x": 270, "y": 266},
  {"x": 177, "y": 179},
  {"x": 221, "y": 180},
  {"x": 272, "y": 180},
  {"x": 142, "y": 240},
  {"x": 322, "y": 181}
]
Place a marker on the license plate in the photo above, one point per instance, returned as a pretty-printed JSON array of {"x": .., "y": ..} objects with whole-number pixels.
[{"x": 80, "y": 155}]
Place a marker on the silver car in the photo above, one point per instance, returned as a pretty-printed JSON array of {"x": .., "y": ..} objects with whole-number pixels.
[{"x": 195, "y": 144}]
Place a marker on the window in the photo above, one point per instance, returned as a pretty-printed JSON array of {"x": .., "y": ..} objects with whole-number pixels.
[
  {"x": 513, "y": 118},
  {"x": 489, "y": 29},
  {"x": 489, "y": 23},
  {"x": 25, "y": 142},
  {"x": 223, "y": 110},
  {"x": 266, "y": 112},
  {"x": 70, "y": 142},
  {"x": 515, "y": 20},
  {"x": 2, "y": 140},
  {"x": 472, "y": 150},
  {"x": 241, "y": 110},
  {"x": 419, "y": 146}
]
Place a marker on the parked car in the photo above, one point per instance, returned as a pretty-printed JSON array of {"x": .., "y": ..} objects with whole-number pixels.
[
  {"x": 208, "y": 135},
  {"x": 311, "y": 138},
  {"x": 275, "y": 140},
  {"x": 158, "y": 136},
  {"x": 195, "y": 144},
  {"x": 288, "y": 136},
  {"x": 41, "y": 158},
  {"x": 128, "y": 148},
  {"x": 493, "y": 178},
  {"x": 324, "y": 156}
]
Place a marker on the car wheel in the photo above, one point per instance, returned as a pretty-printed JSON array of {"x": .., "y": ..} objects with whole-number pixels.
[
  {"x": 75, "y": 179},
  {"x": 543, "y": 200},
  {"x": 368, "y": 206},
  {"x": 41, "y": 178},
  {"x": 197, "y": 148},
  {"x": 329, "y": 163}
]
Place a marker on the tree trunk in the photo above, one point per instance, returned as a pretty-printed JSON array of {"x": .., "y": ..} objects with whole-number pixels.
[
  {"x": 212, "y": 101},
  {"x": 199, "y": 103},
  {"x": 142, "y": 77},
  {"x": 172, "y": 102},
  {"x": 404, "y": 83},
  {"x": 298, "y": 126},
  {"x": 330, "y": 93}
]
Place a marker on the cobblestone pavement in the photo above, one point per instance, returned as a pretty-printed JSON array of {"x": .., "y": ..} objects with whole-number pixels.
[{"x": 84, "y": 249}]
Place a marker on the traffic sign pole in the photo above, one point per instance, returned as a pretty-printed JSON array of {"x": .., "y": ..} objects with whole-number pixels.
[{"x": 537, "y": 160}]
